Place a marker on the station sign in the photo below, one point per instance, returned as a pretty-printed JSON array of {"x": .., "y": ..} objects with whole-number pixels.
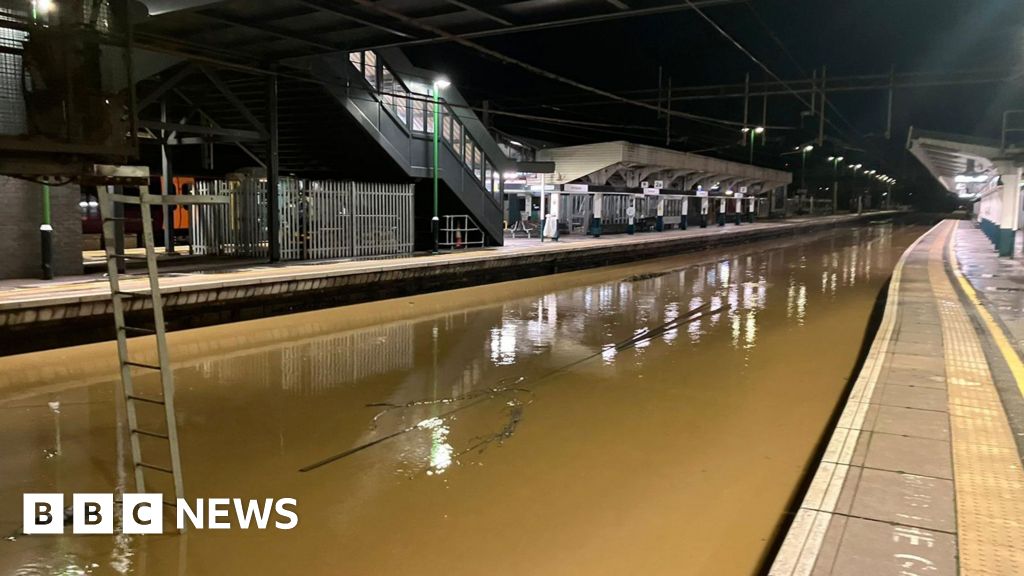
[
  {"x": 576, "y": 188},
  {"x": 659, "y": 184},
  {"x": 743, "y": 190},
  {"x": 702, "y": 192},
  {"x": 652, "y": 191}
]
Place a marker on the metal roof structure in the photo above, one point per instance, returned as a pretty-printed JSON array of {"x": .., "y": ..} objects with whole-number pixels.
[
  {"x": 256, "y": 34},
  {"x": 630, "y": 164},
  {"x": 947, "y": 156}
]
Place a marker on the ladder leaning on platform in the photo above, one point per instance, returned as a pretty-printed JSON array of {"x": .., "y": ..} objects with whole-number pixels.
[{"x": 120, "y": 299}]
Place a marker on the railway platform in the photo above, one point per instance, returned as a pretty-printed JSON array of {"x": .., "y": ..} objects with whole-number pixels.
[
  {"x": 922, "y": 472},
  {"x": 81, "y": 306}
]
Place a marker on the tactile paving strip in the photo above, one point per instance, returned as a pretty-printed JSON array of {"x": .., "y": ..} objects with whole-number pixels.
[{"x": 987, "y": 471}]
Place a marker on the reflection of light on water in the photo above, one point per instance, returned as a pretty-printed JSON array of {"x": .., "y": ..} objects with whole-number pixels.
[
  {"x": 440, "y": 450},
  {"x": 693, "y": 328},
  {"x": 716, "y": 303},
  {"x": 608, "y": 354},
  {"x": 642, "y": 343},
  {"x": 503, "y": 345},
  {"x": 671, "y": 315},
  {"x": 801, "y": 304},
  {"x": 751, "y": 334}
]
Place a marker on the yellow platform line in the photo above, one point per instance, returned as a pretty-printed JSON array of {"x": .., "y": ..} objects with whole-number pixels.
[
  {"x": 987, "y": 473},
  {"x": 1008, "y": 352}
]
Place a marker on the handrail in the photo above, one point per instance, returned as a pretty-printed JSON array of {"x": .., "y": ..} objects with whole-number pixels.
[{"x": 489, "y": 174}]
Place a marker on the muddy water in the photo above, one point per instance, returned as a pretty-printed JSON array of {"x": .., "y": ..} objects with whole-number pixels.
[{"x": 673, "y": 456}]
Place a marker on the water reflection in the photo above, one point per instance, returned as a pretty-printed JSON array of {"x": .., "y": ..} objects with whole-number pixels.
[{"x": 513, "y": 416}]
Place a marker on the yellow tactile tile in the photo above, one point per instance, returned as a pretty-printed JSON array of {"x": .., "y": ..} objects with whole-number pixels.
[{"x": 987, "y": 471}]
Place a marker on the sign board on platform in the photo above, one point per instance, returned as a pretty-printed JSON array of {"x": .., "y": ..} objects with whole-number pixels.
[
  {"x": 743, "y": 189},
  {"x": 652, "y": 191},
  {"x": 702, "y": 192},
  {"x": 576, "y": 188},
  {"x": 659, "y": 184}
]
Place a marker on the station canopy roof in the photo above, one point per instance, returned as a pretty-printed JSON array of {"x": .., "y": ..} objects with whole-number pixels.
[
  {"x": 628, "y": 164},
  {"x": 247, "y": 32},
  {"x": 956, "y": 160}
]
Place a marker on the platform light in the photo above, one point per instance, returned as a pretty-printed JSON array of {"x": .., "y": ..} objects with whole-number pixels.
[
  {"x": 43, "y": 6},
  {"x": 759, "y": 130},
  {"x": 442, "y": 83},
  {"x": 971, "y": 178},
  {"x": 808, "y": 148},
  {"x": 515, "y": 143}
]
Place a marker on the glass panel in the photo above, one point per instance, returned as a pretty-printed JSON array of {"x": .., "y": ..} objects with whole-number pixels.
[
  {"x": 478, "y": 162},
  {"x": 401, "y": 104},
  {"x": 356, "y": 58},
  {"x": 388, "y": 84},
  {"x": 457, "y": 138},
  {"x": 467, "y": 158},
  {"x": 489, "y": 178},
  {"x": 370, "y": 68},
  {"x": 428, "y": 107},
  {"x": 446, "y": 127},
  {"x": 419, "y": 112}
]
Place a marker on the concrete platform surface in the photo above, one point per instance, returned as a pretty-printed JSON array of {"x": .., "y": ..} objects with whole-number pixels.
[
  {"x": 28, "y": 292},
  {"x": 922, "y": 474}
]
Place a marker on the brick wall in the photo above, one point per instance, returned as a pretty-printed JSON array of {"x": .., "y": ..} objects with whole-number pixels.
[{"x": 21, "y": 209}]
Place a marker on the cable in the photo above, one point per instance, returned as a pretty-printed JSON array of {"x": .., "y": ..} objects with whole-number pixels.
[
  {"x": 369, "y": 4},
  {"x": 800, "y": 69},
  {"x": 764, "y": 67}
]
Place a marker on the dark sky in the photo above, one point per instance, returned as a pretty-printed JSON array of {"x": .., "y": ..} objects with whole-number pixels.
[{"x": 850, "y": 37}]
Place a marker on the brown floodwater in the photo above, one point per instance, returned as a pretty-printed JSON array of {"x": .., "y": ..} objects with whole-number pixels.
[{"x": 676, "y": 455}]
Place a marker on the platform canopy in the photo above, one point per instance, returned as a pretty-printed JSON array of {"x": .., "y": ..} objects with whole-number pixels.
[
  {"x": 627, "y": 164},
  {"x": 960, "y": 163},
  {"x": 247, "y": 32}
]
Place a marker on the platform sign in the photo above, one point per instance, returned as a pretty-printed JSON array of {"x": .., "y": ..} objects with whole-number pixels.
[
  {"x": 743, "y": 190},
  {"x": 652, "y": 191},
  {"x": 645, "y": 184},
  {"x": 702, "y": 193},
  {"x": 576, "y": 188},
  {"x": 741, "y": 194},
  {"x": 659, "y": 184}
]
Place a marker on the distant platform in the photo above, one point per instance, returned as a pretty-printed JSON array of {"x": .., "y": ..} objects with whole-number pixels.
[
  {"x": 922, "y": 474},
  {"x": 79, "y": 308}
]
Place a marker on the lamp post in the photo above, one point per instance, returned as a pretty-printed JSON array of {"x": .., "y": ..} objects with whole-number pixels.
[
  {"x": 856, "y": 168},
  {"x": 435, "y": 222},
  {"x": 803, "y": 166},
  {"x": 835, "y": 160},
  {"x": 753, "y": 133}
]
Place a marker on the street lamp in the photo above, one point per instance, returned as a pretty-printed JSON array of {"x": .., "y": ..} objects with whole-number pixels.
[
  {"x": 753, "y": 133},
  {"x": 835, "y": 160},
  {"x": 803, "y": 166},
  {"x": 439, "y": 84}
]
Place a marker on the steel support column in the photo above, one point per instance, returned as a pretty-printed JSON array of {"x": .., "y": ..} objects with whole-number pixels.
[{"x": 273, "y": 169}]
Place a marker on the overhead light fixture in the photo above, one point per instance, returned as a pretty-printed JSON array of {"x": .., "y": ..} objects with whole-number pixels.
[
  {"x": 442, "y": 83},
  {"x": 759, "y": 130},
  {"x": 43, "y": 6},
  {"x": 808, "y": 148},
  {"x": 515, "y": 142}
]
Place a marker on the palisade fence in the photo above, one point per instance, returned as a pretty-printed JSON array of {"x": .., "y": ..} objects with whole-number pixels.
[{"x": 319, "y": 219}]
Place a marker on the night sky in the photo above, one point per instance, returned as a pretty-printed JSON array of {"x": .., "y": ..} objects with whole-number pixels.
[{"x": 850, "y": 38}]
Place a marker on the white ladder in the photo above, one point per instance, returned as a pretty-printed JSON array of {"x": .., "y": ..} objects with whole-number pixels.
[{"x": 119, "y": 298}]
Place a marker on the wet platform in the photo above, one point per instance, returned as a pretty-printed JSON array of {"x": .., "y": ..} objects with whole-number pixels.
[
  {"x": 81, "y": 305},
  {"x": 922, "y": 474}
]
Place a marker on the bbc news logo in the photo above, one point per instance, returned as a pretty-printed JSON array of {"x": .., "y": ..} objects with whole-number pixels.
[{"x": 144, "y": 514}]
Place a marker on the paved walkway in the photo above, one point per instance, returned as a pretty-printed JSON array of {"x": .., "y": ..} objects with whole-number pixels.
[
  {"x": 16, "y": 293},
  {"x": 922, "y": 475}
]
